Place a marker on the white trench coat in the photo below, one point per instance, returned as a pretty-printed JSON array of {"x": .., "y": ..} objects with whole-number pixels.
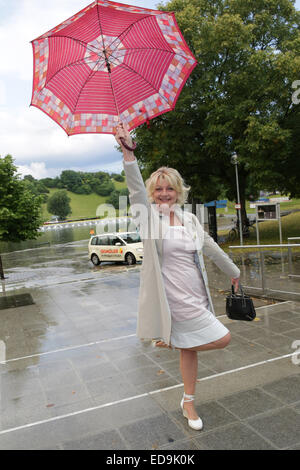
[{"x": 154, "y": 316}]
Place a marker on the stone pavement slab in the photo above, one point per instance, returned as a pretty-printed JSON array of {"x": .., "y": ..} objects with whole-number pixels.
[
  {"x": 237, "y": 436},
  {"x": 281, "y": 427}
]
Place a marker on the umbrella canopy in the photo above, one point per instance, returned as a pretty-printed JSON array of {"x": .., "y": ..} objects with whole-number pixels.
[{"x": 110, "y": 62}]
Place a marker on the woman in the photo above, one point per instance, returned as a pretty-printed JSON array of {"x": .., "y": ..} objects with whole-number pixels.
[{"x": 175, "y": 305}]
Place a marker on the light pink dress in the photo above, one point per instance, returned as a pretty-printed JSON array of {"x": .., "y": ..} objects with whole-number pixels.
[{"x": 192, "y": 323}]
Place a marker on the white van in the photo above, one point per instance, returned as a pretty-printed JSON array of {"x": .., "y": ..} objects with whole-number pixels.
[{"x": 124, "y": 246}]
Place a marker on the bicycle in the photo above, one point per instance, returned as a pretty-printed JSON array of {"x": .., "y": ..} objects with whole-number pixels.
[{"x": 248, "y": 228}]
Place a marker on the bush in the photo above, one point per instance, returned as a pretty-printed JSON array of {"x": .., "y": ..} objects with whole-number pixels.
[
  {"x": 105, "y": 188},
  {"x": 119, "y": 178}
]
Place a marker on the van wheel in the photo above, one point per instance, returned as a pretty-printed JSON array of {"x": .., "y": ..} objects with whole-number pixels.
[
  {"x": 130, "y": 259},
  {"x": 95, "y": 260}
]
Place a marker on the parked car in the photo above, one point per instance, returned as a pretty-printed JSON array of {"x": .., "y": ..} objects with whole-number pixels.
[{"x": 125, "y": 246}]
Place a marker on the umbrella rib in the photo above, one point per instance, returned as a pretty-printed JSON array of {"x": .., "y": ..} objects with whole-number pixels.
[
  {"x": 100, "y": 26},
  {"x": 126, "y": 31},
  {"x": 80, "y": 42},
  {"x": 84, "y": 60},
  {"x": 137, "y": 73},
  {"x": 88, "y": 78},
  {"x": 107, "y": 62},
  {"x": 152, "y": 49},
  {"x": 86, "y": 44},
  {"x": 128, "y": 27}
]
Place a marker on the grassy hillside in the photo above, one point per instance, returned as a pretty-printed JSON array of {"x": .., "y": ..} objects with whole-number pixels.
[
  {"x": 119, "y": 185},
  {"x": 82, "y": 205},
  {"x": 269, "y": 231}
]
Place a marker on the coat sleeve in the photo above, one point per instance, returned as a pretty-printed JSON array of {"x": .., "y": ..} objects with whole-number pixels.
[
  {"x": 140, "y": 205},
  {"x": 219, "y": 257},
  {"x": 135, "y": 184}
]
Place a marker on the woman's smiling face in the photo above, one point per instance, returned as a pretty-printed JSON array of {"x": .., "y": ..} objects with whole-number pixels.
[{"x": 164, "y": 193}]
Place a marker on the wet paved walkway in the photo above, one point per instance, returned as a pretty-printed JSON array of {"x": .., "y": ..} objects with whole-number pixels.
[{"x": 76, "y": 376}]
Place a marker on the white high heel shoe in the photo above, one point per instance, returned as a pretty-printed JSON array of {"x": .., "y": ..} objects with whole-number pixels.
[{"x": 196, "y": 424}]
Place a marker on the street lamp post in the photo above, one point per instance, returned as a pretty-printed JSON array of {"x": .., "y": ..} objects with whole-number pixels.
[{"x": 234, "y": 161}]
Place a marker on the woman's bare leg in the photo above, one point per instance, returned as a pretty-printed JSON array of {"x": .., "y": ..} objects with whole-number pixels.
[{"x": 189, "y": 368}]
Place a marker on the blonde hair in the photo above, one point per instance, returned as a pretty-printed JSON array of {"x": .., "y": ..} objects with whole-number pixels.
[{"x": 174, "y": 179}]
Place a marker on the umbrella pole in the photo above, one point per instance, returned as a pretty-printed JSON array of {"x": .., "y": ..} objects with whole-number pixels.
[{"x": 124, "y": 143}]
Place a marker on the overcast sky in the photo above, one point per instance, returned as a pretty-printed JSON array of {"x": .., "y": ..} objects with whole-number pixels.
[{"x": 39, "y": 146}]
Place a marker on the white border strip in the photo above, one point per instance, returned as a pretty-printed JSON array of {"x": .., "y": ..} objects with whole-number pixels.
[
  {"x": 147, "y": 394},
  {"x": 67, "y": 348}
]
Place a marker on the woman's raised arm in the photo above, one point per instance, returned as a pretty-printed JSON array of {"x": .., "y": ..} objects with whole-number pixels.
[
  {"x": 135, "y": 183},
  {"x": 123, "y": 133}
]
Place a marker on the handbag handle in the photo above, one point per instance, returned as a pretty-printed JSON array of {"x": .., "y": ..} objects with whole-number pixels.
[
  {"x": 232, "y": 289},
  {"x": 242, "y": 292},
  {"x": 240, "y": 287},
  {"x": 128, "y": 146}
]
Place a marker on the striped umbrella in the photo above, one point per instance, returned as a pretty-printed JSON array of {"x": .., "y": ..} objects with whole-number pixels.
[{"x": 110, "y": 62}]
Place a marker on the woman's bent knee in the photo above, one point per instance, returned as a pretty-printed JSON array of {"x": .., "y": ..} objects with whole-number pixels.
[{"x": 223, "y": 342}]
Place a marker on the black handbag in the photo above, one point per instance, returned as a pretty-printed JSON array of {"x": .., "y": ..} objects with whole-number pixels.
[{"x": 240, "y": 306}]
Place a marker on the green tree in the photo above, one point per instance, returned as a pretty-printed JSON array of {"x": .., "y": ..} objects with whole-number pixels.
[
  {"x": 20, "y": 209},
  {"x": 70, "y": 179},
  {"x": 113, "y": 199},
  {"x": 49, "y": 182},
  {"x": 36, "y": 187},
  {"x": 104, "y": 188},
  {"x": 59, "y": 204},
  {"x": 238, "y": 98},
  {"x": 29, "y": 178},
  {"x": 82, "y": 189}
]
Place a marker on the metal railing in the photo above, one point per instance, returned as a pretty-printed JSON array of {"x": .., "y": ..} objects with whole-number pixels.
[
  {"x": 289, "y": 246},
  {"x": 290, "y": 257}
]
